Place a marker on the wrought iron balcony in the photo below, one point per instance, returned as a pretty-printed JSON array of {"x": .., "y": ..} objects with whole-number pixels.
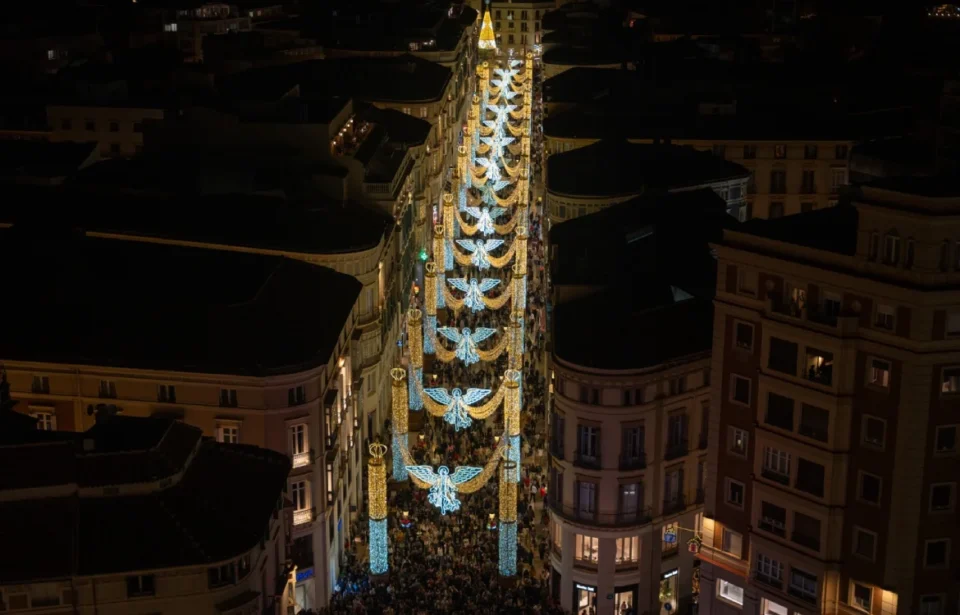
[
  {"x": 675, "y": 504},
  {"x": 634, "y": 462},
  {"x": 768, "y": 580},
  {"x": 600, "y": 518},
  {"x": 591, "y": 462},
  {"x": 556, "y": 449},
  {"x": 775, "y": 476},
  {"x": 676, "y": 449}
]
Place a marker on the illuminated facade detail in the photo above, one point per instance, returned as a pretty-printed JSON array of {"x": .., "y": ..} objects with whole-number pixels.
[
  {"x": 456, "y": 401},
  {"x": 443, "y": 485},
  {"x": 466, "y": 341}
]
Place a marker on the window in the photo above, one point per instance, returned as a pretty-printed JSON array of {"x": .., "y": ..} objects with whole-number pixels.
[
  {"x": 874, "y": 431},
  {"x": 941, "y": 497},
  {"x": 740, "y": 389},
  {"x": 776, "y": 464},
  {"x": 298, "y": 439},
  {"x": 228, "y": 433},
  {"x": 838, "y": 177},
  {"x": 296, "y": 396},
  {"x": 773, "y": 519},
  {"x": 170, "y": 27},
  {"x": 738, "y": 441},
  {"x": 945, "y": 440},
  {"x": 891, "y": 249},
  {"x": 783, "y": 356},
  {"x": 769, "y": 570},
  {"x": 810, "y": 152},
  {"x": 732, "y": 543},
  {"x": 780, "y": 152},
  {"x": 587, "y": 548},
  {"x": 950, "y": 382},
  {"x": 747, "y": 282},
  {"x": 588, "y": 438},
  {"x": 953, "y": 323},
  {"x": 423, "y": 112},
  {"x": 678, "y": 385},
  {"x": 228, "y": 398},
  {"x": 908, "y": 259},
  {"x": 779, "y": 411},
  {"x": 931, "y": 605},
  {"x": 808, "y": 182},
  {"x": 46, "y": 421},
  {"x": 814, "y": 422},
  {"x": 879, "y": 373},
  {"x": 669, "y": 529},
  {"x": 633, "y": 448},
  {"x": 862, "y": 596},
  {"x": 806, "y": 531},
  {"x": 864, "y": 543},
  {"x": 945, "y": 255},
  {"x": 498, "y": 15},
  {"x": 40, "y": 384},
  {"x": 776, "y": 210},
  {"x": 810, "y": 477},
  {"x": 557, "y": 534},
  {"x": 628, "y": 550},
  {"x": 221, "y": 575},
  {"x": 90, "y": 125},
  {"x": 936, "y": 553},
  {"x": 749, "y": 152},
  {"x": 586, "y": 498},
  {"x": 510, "y": 40},
  {"x": 778, "y": 181},
  {"x": 108, "y": 389},
  {"x": 166, "y": 393},
  {"x": 629, "y": 499},
  {"x": 873, "y": 247},
  {"x": 885, "y": 316},
  {"x": 140, "y": 585},
  {"x": 298, "y": 493},
  {"x": 840, "y": 152},
  {"x": 730, "y": 592},
  {"x": 803, "y": 585},
  {"x": 735, "y": 492},
  {"x": 869, "y": 487}
]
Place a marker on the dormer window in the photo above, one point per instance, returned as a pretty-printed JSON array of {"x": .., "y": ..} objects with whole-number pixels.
[{"x": 891, "y": 249}]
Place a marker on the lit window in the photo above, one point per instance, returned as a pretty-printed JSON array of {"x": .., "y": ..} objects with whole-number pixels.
[
  {"x": 880, "y": 373},
  {"x": 228, "y": 433},
  {"x": 862, "y": 596},
  {"x": 170, "y": 27},
  {"x": 730, "y": 592},
  {"x": 628, "y": 550},
  {"x": 738, "y": 441},
  {"x": 951, "y": 380},
  {"x": 891, "y": 249},
  {"x": 735, "y": 492},
  {"x": 587, "y": 548},
  {"x": 46, "y": 421}
]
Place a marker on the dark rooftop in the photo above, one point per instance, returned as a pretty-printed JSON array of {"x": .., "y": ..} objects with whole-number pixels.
[
  {"x": 404, "y": 78},
  {"x": 833, "y": 229},
  {"x": 401, "y": 128},
  {"x": 21, "y": 160},
  {"x": 936, "y": 186},
  {"x": 216, "y": 511},
  {"x": 153, "y": 306},
  {"x": 582, "y": 55},
  {"x": 617, "y": 167}
]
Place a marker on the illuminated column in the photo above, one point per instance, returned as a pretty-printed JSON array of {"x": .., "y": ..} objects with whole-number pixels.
[
  {"x": 430, "y": 307},
  {"x": 521, "y": 257},
  {"x": 415, "y": 342},
  {"x": 448, "y": 222},
  {"x": 508, "y": 520},
  {"x": 511, "y": 416},
  {"x": 515, "y": 340},
  {"x": 400, "y": 428},
  {"x": 519, "y": 288},
  {"x": 377, "y": 509},
  {"x": 441, "y": 256},
  {"x": 462, "y": 158}
]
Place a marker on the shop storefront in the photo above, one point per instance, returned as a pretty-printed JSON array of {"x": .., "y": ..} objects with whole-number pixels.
[{"x": 584, "y": 599}]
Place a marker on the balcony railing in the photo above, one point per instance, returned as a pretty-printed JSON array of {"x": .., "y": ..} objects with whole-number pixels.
[
  {"x": 302, "y": 517},
  {"x": 822, "y": 317},
  {"x": 556, "y": 449},
  {"x": 674, "y": 504},
  {"x": 774, "y": 527},
  {"x": 301, "y": 459},
  {"x": 775, "y": 476},
  {"x": 815, "y": 433},
  {"x": 636, "y": 462},
  {"x": 768, "y": 580},
  {"x": 810, "y": 542},
  {"x": 591, "y": 462},
  {"x": 676, "y": 449},
  {"x": 606, "y": 519},
  {"x": 800, "y": 594}
]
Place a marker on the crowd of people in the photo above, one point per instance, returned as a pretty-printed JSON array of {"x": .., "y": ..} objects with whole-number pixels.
[{"x": 449, "y": 563}]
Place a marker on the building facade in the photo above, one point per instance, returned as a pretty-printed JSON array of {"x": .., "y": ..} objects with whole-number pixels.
[
  {"x": 833, "y": 459},
  {"x": 518, "y": 25}
]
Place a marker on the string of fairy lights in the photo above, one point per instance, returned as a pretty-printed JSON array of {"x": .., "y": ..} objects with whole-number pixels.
[{"x": 491, "y": 181}]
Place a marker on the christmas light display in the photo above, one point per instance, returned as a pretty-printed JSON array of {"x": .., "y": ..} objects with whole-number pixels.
[
  {"x": 479, "y": 250},
  {"x": 429, "y": 306},
  {"x": 519, "y": 287},
  {"x": 415, "y": 345},
  {"x": 507, "y": 563},
  {"x": 485, "y": 217},
  {"x": 466, "y": 341},
  {"x": 399, "y": 419},
  {"x": 377, "y": 509},
  {"x": 443, "y": 485},
  {"x": 457, "y": 403},
  {"x": 488, "y": 40},
  {"x": 474, "y": 290}
]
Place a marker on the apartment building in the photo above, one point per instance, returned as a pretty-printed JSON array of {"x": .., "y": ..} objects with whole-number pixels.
[
  {"x": 118, "y": 129},
  {"x": 585, "y": 180},
  {"x": 518, "y": 25},
  {"x": 189, "y": 26},
  {"x": 250, "y": 349},
  {"x": 138, "y": 515},
  {"x": 832, "y": 477},
  {"x": 629, "y": 405}
]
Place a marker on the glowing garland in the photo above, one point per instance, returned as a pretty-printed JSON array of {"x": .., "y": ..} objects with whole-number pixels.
[
  {"x": 415, "y": 344},
  {"x": 399, "y": 417},
  {"x": 456, "y": 404}
]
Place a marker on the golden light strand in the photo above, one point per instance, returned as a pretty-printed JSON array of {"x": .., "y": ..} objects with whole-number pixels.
[
  {"x": 377, "y": 481},
  {"x": 399, "y": 401},
  {"x": 415, "y": 337}
]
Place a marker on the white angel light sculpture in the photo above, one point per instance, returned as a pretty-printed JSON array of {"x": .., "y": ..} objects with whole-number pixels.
[
  {"x": 474, "y": 291},
  {"x": 497, "y": 142},
  {"x": 506, "y": 73},
  {"x": 485, "y": 216},
  {"x": 480, "y": 250},
  {"x": 466, "y": 341},
  {"x": 492, "y": 169},
  {"x": 443, "y": 485},
  {"x": 456, "y": 402}
]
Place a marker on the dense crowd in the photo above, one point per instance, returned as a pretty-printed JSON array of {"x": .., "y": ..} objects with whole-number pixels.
[{"x": 449, "y": 563}]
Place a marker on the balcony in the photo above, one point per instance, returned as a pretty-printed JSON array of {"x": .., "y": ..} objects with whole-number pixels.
[
  {"x": 789, "y": 307},
  {"x": 815, "y": 433},
  {"x": 769, "y": 581},
  {"x": 819, "y": 367},
  {"x": 301, "y": 459},
  {"x": 822, "y": 317},
  {"x": 674, "y": 505},
  {"x": 303, "y": 517},
  {"x": 810, "y": 542},
  {"x": 590, "y": 462},
  {"x": 775, "y": 476},
  {"x": 801, "y": 594},
  {"x": 676, "y": 449},
  {"x": 634, "y": 462},
  {"x": 602, "y": 519},
  {"x": 556, "y": 449},
  {"x": 772, "y": 526}
]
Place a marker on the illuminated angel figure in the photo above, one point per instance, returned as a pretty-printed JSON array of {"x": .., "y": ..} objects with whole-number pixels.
[
  {"x": 443, "y": 485},
  {"x": 505, "y": 73},
  {"x": 497, "y": 142},
  {"x": 492, "y": 169},
  {"x": 474, "y": 290},
  {"x": 466, "y": 341},
  {"x": 485, "y": 216},
  {"x": 480, "y": 250},
  {"x": 456, "y": 402}
]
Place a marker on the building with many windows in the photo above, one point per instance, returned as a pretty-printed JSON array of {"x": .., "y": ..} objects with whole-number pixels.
[
  {"x": 833, "y": 459},
  {"x": 518, "y": 24},
  {"x": 252, "y": 349},
  {"x": 630, "y": 401},
  {"x": 138, "y": 515}
]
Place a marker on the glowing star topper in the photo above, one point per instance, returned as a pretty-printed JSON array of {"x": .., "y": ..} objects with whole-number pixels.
[
  {"x": 443, "y": 485},
  {"x": 480, "y": 250},
  {"x": 485, "y": 217},
  {"x": 474, "y": 291},
  {"x": 466, "y": 341},
  {"x": 456, "y": 402}
]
